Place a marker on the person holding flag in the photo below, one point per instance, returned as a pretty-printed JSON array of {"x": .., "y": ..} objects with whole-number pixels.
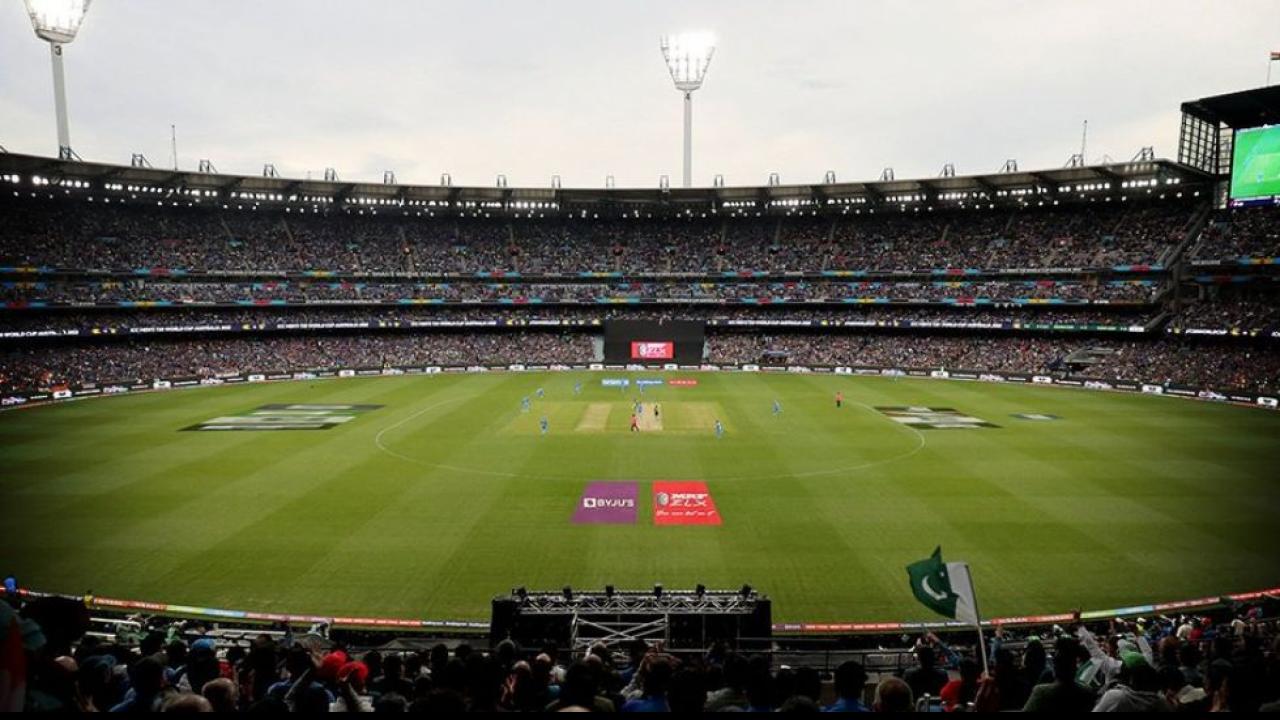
[{"x": 947, "y": 589}]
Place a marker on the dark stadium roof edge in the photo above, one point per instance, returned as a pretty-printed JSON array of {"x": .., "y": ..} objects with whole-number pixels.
[{"x": 1008, "y": 186}]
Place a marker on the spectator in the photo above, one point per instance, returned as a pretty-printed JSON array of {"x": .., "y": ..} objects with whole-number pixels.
[
  {"x": 893, "y": 695},
  {"x": 1063, "y": 694},
  {"x": 850, "y": 683}
]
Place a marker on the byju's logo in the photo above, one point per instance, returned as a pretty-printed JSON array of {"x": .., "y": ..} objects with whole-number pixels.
[{"x": 607, "y": 502}]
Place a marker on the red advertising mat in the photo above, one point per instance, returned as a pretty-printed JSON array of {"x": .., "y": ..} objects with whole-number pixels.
[{"x": 684, "y": 502}]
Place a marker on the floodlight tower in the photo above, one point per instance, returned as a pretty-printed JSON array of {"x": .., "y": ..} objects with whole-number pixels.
[
  {"x": 688, "y": 56},
  {"x": 57, "y": 22}
]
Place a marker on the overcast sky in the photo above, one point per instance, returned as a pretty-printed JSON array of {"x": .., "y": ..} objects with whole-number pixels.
[{"x": 578, "y": 87}]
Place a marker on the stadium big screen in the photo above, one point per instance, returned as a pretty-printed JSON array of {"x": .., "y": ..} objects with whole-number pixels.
[
  {"x": 652, "y": 341},
  {"x": 1255, "y": 165}
]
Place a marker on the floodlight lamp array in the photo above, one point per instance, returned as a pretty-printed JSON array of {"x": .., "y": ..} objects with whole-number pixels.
[
  {"x": 688, "y": 56},
  {"x": 57, "y": 21}
]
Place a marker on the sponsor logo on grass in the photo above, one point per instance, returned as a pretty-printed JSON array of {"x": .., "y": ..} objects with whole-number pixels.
[
  {"x": 1040, "y": 417},
  {"x": 683, "y": 503},
  {"x": 608, "y": 503},
  {"x": 682, "y": 382},
  {"x": 287, "y": 417},
  {"x": 926, "y": 418},
  {"x": 648, "y": 381},
  {"x": 615, "y": 382}
]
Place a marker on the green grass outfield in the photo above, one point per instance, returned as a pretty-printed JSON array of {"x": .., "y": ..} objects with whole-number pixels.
[{"x": 447, "y": 495}]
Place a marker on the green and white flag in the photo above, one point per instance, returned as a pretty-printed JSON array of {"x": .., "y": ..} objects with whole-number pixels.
[{"x": 944, "y": 588}]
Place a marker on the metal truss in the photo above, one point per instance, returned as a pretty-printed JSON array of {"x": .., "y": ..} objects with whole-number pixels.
[{"x": 637, "y": 603}]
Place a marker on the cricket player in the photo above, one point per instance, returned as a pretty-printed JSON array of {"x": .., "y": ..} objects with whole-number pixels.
[
  {"x": 577, "y": 388},
  {"x": 543, "y": 424},
  {"x": 524, "y": 404},
  {"x": 719, "y": 429},
  {"x": 656, "y": 412},
  {"x": 635, "y": 422},
  {"x": 777, "y": 408},
  {"x": 839, "y": 399},
  {"x": 540, "y": 393}
]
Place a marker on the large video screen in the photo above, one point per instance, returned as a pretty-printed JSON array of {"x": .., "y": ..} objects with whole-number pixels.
[
  {"x": 652, "y": 341},
  {"x": 1255, "y": 164}
]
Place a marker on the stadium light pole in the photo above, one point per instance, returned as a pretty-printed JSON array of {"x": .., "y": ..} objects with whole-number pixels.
[
  {"x": 57, "y": 22},
  {"x": 688, "y": 56}
]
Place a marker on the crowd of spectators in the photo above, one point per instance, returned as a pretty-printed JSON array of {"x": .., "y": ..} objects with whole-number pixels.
[
  {"x": 1254, "y": 368},
  {"x": 1020, "y": 354},
  {"x": 36, "y": 365},
  {"x": 1250, "y": 367},
  {"x": 73, "y": 233},
  {"x": 1218, "y": 661},
  {"x": 1246, "y": 367},
  {"x": 319, "y": 318},
  {"x": 1088, "y": 236},
  {"x": 372, "y": 292},
  {"x": 1241, "y": 233},
  {"x": 1230, "y": 312}
]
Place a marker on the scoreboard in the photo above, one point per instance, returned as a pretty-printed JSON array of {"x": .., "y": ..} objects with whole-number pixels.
[{"x": 653, "y": 341}]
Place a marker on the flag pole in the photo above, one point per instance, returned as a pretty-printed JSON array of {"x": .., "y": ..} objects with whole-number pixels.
[{"x": 977, "y": 615}]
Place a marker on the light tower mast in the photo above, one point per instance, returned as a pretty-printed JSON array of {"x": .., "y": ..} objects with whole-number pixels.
[
  {"x": 57, "y": 22},
  {"x": 688, "y": 56}
]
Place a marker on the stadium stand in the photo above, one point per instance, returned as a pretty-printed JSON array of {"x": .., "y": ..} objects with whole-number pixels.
[
  {"x": 1014, "y": 287},
  {"x": 1225, "y": 658}
]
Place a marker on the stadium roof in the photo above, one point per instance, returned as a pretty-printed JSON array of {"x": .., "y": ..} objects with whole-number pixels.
[
  {"x": 216, "y": 187},
  {"x": 1247, "y": 108}
]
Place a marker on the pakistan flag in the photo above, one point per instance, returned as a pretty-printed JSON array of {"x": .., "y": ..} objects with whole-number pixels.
[{"x": 944, "y": 588}]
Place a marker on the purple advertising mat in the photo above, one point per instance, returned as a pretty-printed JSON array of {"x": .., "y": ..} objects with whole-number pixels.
[{"x": 607, "y": 502}]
